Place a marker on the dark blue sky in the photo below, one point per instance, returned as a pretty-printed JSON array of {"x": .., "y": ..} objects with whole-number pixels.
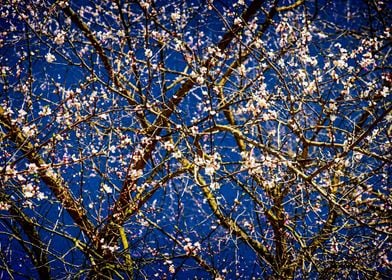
[{"x": 282, "y": 127}]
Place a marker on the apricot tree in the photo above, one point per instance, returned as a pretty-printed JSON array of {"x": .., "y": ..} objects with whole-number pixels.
[{"x": 203, "y": 138}]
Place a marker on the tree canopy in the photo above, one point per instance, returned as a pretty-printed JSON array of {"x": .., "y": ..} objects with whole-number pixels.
[{"x": 200, "y": 139}]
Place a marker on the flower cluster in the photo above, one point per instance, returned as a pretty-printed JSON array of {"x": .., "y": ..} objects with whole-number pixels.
[
  {"x": 112, "y": 249},
  {"x": 32, "y": 191},
  {"x": 250, "y": 163},
  {"x": 211, "y": 163},
  {"x": 50, "y": 57},
  {"x": 191, "y": 248},
  {"x": 4, "y": 206},
  {"x": 169, "y": 263}
]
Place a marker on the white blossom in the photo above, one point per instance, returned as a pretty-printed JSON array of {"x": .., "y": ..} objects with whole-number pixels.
[
  {"x": 60, "y": 38},
  {"x": 172, "y": 269},
  {"x": 238, "y": 21},
  {"x": 177, "y": 154},
  {"x": 190, "y": 248},
  {"x": 175, "y": 16},
  {"x": 4, "y": 206},
  {"x": 32, "y": 168},
  {"x": 45, "y": 111},
  {"x": 110, "y": 248},
  {"x": 145, "y": 4},
  {"x": 107, "y": 189},
  {"x": 28, "y": 190},
  {"x": 168, "y": 146},
  {"x": 210, "y": 170},
  {"x": 214, "y": 186},
  {"x": 200, "y": 80},
  {"x": 50, "y": 57},
  {"x": 148, "y": 53}
]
